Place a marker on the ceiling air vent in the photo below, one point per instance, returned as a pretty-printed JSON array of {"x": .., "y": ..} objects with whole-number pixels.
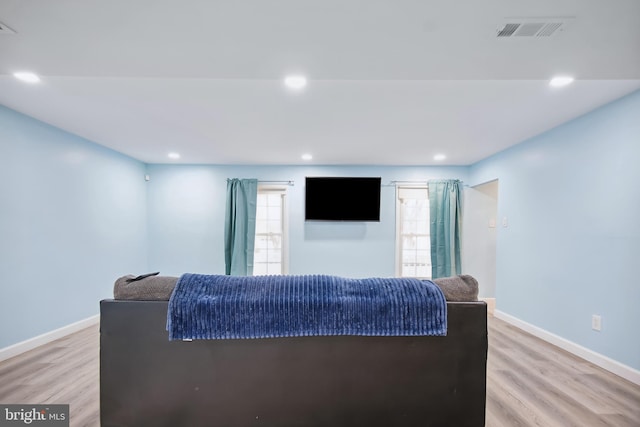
[
  {"x": 532, "y": 27},
  {"x": 5, "y": 30}
]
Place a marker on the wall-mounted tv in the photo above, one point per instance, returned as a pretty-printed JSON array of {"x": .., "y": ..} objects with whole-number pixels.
[{"x": 342, "y": 199}]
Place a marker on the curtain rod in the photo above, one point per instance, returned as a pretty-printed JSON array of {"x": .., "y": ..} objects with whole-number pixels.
[
  {"x": 425, "y": 182},
  {"x": 408, "y": 182},
  {"x": 277, "y": 182},
  {"x": 290, "y": 182}
]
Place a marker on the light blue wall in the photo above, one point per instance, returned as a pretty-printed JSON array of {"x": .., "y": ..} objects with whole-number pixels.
[
  {"x": 72, "y": 219},
  {"x": 186, "y": 219},
  {"x": 572, "y": 199}
]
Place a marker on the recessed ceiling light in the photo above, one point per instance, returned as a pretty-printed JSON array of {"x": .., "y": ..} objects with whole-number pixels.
[
  {"x": 174, "y": 155},
  {"x": 439, "y": 157},
  {"x": 295, "y": 82},
  {"x": 560, "y": 81},
  {"x": 27, "y": 76},
  {"x": 307, "y": 157}
]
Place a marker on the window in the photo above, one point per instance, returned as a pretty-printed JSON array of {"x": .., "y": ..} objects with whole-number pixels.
[
  {"x": 269, "y": 256},
  {"x": 413, "y": 242}
]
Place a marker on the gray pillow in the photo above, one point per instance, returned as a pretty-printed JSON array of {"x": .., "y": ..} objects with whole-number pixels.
[
  {"x": 147, "y": 287},
  {"x": 458, "y": 288}
]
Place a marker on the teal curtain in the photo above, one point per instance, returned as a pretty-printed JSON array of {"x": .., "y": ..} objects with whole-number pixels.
[
  {"x": 445, "y": 210},
  {"x": 240, "y": 226}
]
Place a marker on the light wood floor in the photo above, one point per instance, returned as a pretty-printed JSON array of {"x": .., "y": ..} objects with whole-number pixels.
[
  {"x": 529, "y": 382},
  {"x": 533, "y": 383},
  {"x": 65, "y": 371}
]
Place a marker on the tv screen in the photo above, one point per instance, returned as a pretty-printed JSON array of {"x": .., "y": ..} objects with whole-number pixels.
[{"x": 342, "y": 199}]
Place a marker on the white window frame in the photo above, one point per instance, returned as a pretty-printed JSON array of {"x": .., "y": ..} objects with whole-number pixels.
[
  {"x": 399, "y": 241},
  {"x": 284, "y": 253}
]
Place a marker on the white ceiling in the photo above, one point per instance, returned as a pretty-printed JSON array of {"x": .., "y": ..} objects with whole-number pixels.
[{"x": 391, "y": 82}]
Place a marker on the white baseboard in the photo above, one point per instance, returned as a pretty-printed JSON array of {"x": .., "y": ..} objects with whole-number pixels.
[
  {"x": 491, "y": 305},
  {"x": 30, "y": 344},
  {"x": 624, "y": 371}
]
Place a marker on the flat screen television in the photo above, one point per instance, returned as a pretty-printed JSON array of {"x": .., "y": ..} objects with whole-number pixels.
[{"x": 342, "y": 199}]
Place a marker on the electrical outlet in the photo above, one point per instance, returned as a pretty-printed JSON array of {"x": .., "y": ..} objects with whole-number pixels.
[{"x": 596, "y": 322}]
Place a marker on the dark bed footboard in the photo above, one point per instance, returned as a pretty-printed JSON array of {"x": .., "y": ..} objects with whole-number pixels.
[{"x": 146, "y": 380}]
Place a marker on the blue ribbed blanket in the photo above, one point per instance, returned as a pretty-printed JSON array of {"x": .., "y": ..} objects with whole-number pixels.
[{"x": 226, "y": 307}]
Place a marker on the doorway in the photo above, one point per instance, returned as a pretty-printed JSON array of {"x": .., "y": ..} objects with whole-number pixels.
[{"x": 480, "y": 238}]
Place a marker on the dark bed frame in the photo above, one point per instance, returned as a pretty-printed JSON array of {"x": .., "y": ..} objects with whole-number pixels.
[{"x": 331, "y": 381}]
